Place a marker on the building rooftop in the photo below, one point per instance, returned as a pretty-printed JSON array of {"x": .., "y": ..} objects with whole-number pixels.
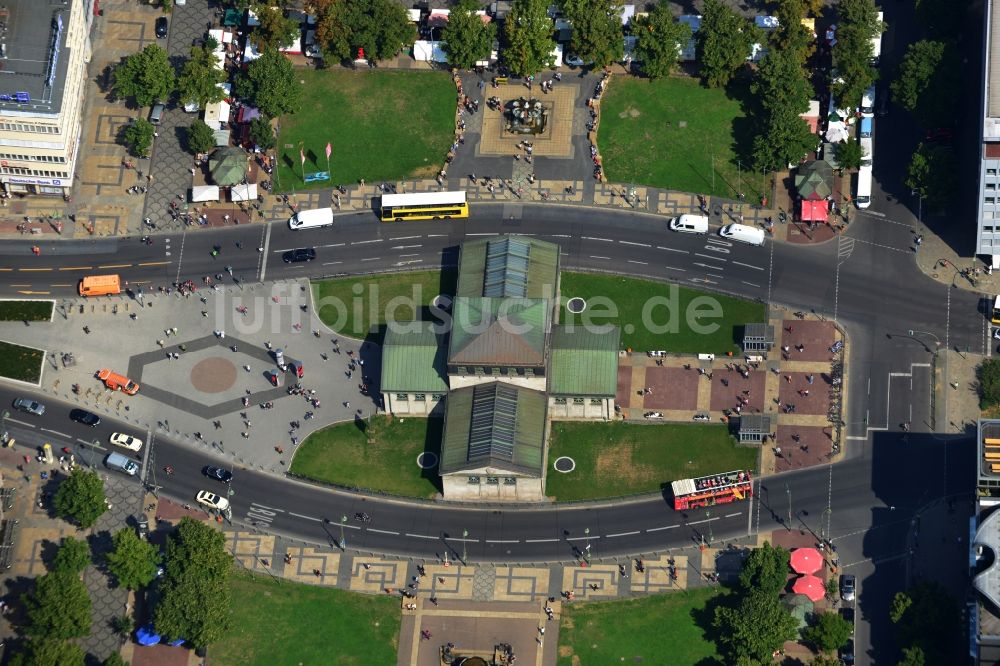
[
  {"x": 499, "y": 332},
  {"x": 33, "y": 54},
  {"x": 508, "y": 266},
  {"x": 413, "y": 359},
  {"x": 496, "y": 426},
  {"x": 584, "y": 362}
]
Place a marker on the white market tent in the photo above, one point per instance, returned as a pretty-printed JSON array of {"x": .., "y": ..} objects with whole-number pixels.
[
  {"x": 204, "y": 193},
  {"x": 217, "y": 115},
  {"x": 247, "y": 192},
  {"x": 425, "y": 51},
  {"x": 414, "y": 15}
]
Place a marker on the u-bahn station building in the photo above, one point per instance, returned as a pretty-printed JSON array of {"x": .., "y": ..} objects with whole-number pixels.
[{"x": 500, "y": 370}]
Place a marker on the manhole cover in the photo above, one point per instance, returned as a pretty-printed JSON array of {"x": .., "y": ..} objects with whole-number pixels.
[
  {"x": 213, "y": 375},
  {"x": 427, "y": 460},
  {"x": 564, "y": 464},
  {"x": 576, "y": 305}
]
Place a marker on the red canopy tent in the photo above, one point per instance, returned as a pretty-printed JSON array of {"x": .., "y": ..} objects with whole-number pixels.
[
  {"x": 806, "y": 560},
  {"x": 811, "y": 586},
  {"x": 815, "y": 210}
]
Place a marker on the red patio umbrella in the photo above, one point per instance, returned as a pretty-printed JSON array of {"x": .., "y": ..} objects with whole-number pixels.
[
  {"x": 811, "y": 586},
  {"x": 806, "y": 560}
]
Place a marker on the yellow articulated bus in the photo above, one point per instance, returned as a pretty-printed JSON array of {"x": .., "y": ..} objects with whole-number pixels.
[{"x": 423, "y": 206}]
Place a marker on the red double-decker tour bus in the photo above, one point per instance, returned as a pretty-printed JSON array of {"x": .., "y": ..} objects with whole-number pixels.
[{"x": 713, "y": 489}]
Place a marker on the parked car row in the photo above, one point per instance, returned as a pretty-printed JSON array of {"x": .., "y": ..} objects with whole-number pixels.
[{"x": 698, "y": 224}]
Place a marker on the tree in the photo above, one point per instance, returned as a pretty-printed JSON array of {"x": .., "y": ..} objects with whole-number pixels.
[
  {"x": 261, "y": 133},
  {"x": 466, "y": 38},
  {"x": 81, "y": 496},
  {"x": 927, "y": 618},
  {"x": 269, "y": 83},
  {"x": 200, "y": 78},
  {"x": 380, "y": 27},
  {"x": 828, "y": 631},
  {"x": 43, "y": 651},
  {"x": 196, "y": 599},
  {"x": 933, "y": 173},
  {"x": 139, "y": 137},
  {"x": 659, "y": 39},
  {"x": 133, "y": 561},
  {"x": 782, "y": 95},
  {"x": 912, "y": 656},
  {"x": 826, "y": 660},
  {"x": 988, "y": 374},
  {"x": 72, "y": 557},
  {"x": 725, "y": 40},
  {"x": 597, "y": 30},
  {"x": 926, "y": 85},
  {"x": 852, "y": 54},
  {"x": 58, "y": 607},
  {"x": 123, "y": 625},
  {"x": 755, "y": 628},
  {"x": 332, "y": 31},
  {"x": 765, "y": 569},
  {"x": 528, "y": 33},
  {"x": 145, "y": 77},
  {"x": 200, "y": 137},
  {"x": 274, "y": 30},
  {"x": 849, "y": 155},
  {"x": 791, "y": 35}
]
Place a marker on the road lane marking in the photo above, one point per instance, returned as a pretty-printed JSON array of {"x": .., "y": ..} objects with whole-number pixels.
[
  {"x": 751, "y": 284},
  {"x": 78, "y": 268},
  {"x": 583, "y": 538},
  {"x": 399, "y": 239},
  {"x": 332, "y": 263},
  {"x": 637, "y": 244},
  {"x": 6, "y": 270},
  {"x": 54, "y": 432},
  {"x": 61, "y": 284},
  {"x": 671, "y": 268},
  {"x": 33, "y": 293},
  {"x": 299, "y": 515},
  {"x": 638, "y": 262},
  {"x": 330, "y": 245},
  {"x": 115, "y": 266},
  {"x": 540, "y": 540},
  {"x": 372, "y": 529},
  {"x": 671, "y": 249},
  {"x": 503, "y": 541},
  {"x": 665, "y": 527},
  {"x": 154, "y": 263},
  {"x": 594, "y": 256},
  {"x": 756, "y": 268},
  {"x": 372, "y": 259},
  {"x": 404, "y": 247},
  {"x": 24, "y": 423},
  {"x": 603, "y": 240},
  {"x": 34, "y": 270},
  {"x": 485, "y": 234},
  {"x": 621, "y": 534},
  {"x": 262, "y": 262},
  {"x": 415, "y": 254},
  {"x": 732, "y": 515},
  {"x": 560, "y": 235},
  {"x": 365, "y": 242},
  {"x": 420, "y": 536},
  {"x": 709, "y": 256}
]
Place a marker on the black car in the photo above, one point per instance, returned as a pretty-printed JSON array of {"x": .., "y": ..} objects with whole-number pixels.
[
  {"x": 161, "y": 27},
  {"x": 848, "y": 614},
  {"x": 847, "y": 653},
  {"x": 218, "y": 474},
  {"x": 85, "y": 417},
  {"x": 301, "y": 254}
]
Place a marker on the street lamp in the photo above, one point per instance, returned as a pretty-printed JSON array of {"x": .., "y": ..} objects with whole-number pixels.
[
  {"x": 788, "y": 492},
  {"x": 586, "y": 556},
  {"x": 3, "y": 425},
  {"x": 708, "y": 517},
  {"x": 343, "y": 541},
  {"x": 913, "y": 334},
  {"x": 465, "y": 547}
]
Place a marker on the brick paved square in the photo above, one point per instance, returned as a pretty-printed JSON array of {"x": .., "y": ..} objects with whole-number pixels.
[
  {"x": 814, "y": 403},
  {"x": 817, "y": 336},
  {"x": 554, "y": 141},
  {"x": 724, "y": 397},
  {"x": 673, "y": 388},
  {"x": 624, "y": 393},
  {"x": 815, "y": 438}
]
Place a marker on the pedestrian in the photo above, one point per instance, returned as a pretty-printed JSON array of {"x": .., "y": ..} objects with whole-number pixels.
[
  {"x": 809, "y": 379},
  {"x": 788, "y": 379}
]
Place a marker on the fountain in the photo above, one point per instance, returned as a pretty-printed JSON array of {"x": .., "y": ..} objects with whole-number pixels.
[{"x": 526, "y": 116}]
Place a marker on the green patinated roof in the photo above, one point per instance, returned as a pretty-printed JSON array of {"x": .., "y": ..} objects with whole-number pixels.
[
  {"x": 494, "y": 425},
  {"x": 499, "y": 331},
  {"x": 508, "y": 266},
  {"x": 413, "y": 359},
  {"x": 583, "y": 362}
]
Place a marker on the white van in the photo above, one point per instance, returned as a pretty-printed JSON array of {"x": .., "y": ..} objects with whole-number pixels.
[
  {"x": 690, "y": 224},
  {"x": 743, "y": 234},
  {"x": 868, "y": 102},
  {"x": 310, "y": 219},
  {"x": 117, "y": 461}
]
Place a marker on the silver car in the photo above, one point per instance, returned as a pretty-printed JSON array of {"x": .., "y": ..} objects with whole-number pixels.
[{"x": 30, "y": 406}]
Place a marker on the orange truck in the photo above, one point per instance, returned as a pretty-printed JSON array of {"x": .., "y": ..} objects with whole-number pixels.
[
  {"x": 117, "y": 382},
  {"x": 100, "y": 285}
]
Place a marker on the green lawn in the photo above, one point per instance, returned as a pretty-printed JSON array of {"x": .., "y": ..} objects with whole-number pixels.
[
  {"x": 276, "y": 623},
  {"x": 618, "y": 458},
  {"x": 670, "y": 629},
  {"x": 23, "y": 363},
  {"x": 670, "y": 132},
  {"x": 25, "y": 310},
  {"x": 351, "y": 306},
  {"x": 382, "y": 125},
  {"x": 341, "y": 454},
  {"x": 669, "y": 323}
]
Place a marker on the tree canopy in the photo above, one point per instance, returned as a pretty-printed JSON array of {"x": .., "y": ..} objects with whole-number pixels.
[
  {"x": 132, "y": 560},
  {"x": 200, "y": 137},
  {"x": 828, "y": 631},
  {"x": 261, "y": 133},
  {"x": 988, "y": 374},
  {"x": 467, "y": 39},
  {"x": 80, "y": 497},
  {"x": 659, "y": 40},
  {"x": 274, "y": 31},
  {"x": 138, "y": 136},
  {"x": 72, "y": 557},
  {"x": 42, "y": 651},
  {"x": 196, "y": 598},
  {"x": 849, "y": 154},
  {"x": 58, "y": 607},
  {"x": 757, "y": 626},
  {"x": 791, "y": 35},
  {"x": 200, "y": 78},
  {"x": 932, "y": 173},
  {"x": 852, "y": 54},
  {"x": 270, "y": 84},
  {"x": 725, "y": 40},
  {"x": 597, "y": 30},
  {"x": 926, "y": 84},
  {"x": 766, "y": 569},
  {"x": 380, "y": 27},
  {"x": 782, "y": 93},
  {"x": 528, "y": 35},
  {"x": 145, "y": 77},
  {"x": 928, "y": 621}
]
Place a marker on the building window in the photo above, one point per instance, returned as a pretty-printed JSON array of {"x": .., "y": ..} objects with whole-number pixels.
[
  {"x": 493, "y": 481},
  {"x": 403, "y": 397},
  {"x": 991, "y": 172},
  {"x": 495, "y": 372},
  {"x": 560, "y": 401},
  {"x": 437, "y": 397},
  {"x": 990, "y": 200},
  {"x": 596, "y": 401},
  {"x": 510, "y": 480},
  {"x": 420, "y": 397},
  {"x": 473, "y": 480},
  {"x": 480, "y": 372},
  {"x": 528, "y": 372},
  {"x": 578, "y": 401},
  {"x": 461, "y": 370}
]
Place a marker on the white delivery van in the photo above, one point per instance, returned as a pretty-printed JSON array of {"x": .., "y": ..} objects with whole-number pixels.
[
  {"x": 868, "y": 102},
  {"x": 117, "y": 461},
  {"x": 743, "y": 234},
  {"x": 690, "y": 224},
  {"x": 310, "y": 219}
]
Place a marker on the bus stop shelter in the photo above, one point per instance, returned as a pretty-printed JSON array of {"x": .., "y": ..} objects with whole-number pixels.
[{"x": 754, "y": 428}]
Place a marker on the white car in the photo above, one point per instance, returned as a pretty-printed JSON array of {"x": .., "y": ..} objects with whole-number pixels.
[
  {"x": 212, "y": 500},
  {"x": 126, "y": 441}
]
